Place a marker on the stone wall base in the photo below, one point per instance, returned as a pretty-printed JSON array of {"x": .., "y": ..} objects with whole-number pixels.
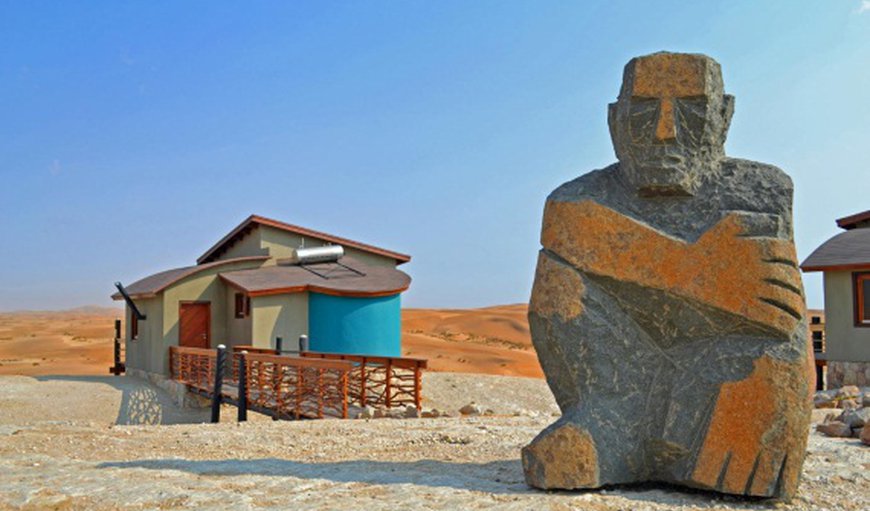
[
  {"x": 177, "y": 391},
  {"x": 848, "y": 373}
]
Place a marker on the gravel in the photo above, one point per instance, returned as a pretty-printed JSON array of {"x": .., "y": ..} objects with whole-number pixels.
[{"x": 66, "y": 444}]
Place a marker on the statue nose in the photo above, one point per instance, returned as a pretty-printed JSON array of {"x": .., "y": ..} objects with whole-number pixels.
[{"x": 665, "y": 127}]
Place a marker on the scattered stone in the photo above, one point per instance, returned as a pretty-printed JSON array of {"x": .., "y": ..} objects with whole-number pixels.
[
  {"x": 865, "y": 434},
  {"x": 855, "y": 418},
  {"x": 489, "y": 411},
  {"x": 380, "y": 413},
  {"x": 431, "y": 414},
  {"x": 825, "y": 399},
  {"x": 367, "y": 413},
  {"x": 835, "y": 429},
  {"x": 849, "y": 392},
  {"x": 641, "y": 302},
  {"x": 471, "y": 409},
  {"x": 848, "y": 404},
  {"x": 411, "y": 412}
]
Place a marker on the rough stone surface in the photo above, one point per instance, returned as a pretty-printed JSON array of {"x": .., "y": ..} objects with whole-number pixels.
[
  {"x": 668, "y": 311},
  {"x": 835, "y": 429},
  {"x": 848, "y": 373},
  {"x": 865, "y": 434}
]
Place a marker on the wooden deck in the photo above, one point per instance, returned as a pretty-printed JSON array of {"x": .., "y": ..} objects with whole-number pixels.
[{"x": 314, "y": 385}]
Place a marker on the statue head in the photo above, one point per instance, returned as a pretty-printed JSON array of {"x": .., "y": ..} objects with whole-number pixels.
[{"x": 669, "y": 122}]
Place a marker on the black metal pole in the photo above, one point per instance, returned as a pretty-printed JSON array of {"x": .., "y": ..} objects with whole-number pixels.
[
  {"x": 278, "y": 344},
  {"x": 116, "y": 369},
  {"x": 243, "y": 387},
  {"x": 303, "y": 343},
  {"x": 216, "y": 399}
]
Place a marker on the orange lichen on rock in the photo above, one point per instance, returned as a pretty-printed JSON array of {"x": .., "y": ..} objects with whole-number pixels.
[
  {"x": 558, "y": 290},
  {"x": 561, "y": 457},
  {"x": 669, "y": 75},
  {"x": 756, "y": 278},
  {"x": 756, "y": 439}
]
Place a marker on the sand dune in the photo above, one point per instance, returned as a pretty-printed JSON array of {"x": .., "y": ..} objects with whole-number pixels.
[{"x": 491, "y": 340}]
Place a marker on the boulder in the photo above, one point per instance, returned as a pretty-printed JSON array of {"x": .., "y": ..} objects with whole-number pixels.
[
  {"x": 865, "y": 435},
  {"x": 411, "y": 412},
  {"x": 849, "y": 392},
  {"x": 667, "y": 309},
  {"x": 367, "y": 413},
  {"x": 471, "y": 409},
  {"x": 825, "y": 399},
  {"x": 856, "y": 417},
  {"x": 835, "y": 429}
]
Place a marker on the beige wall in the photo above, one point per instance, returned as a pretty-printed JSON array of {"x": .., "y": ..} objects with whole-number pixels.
[
  {"x": 278, "y": 244},
  {"x": 239, "y": 330},
  {"x": 283, "y": 316},
  {"x": 844, "y": 341},
  {"x": 144, "y": 352}
]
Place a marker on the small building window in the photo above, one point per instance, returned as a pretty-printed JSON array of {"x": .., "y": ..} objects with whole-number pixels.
[
  {"x": 862, "y": 299},
  {"x": 243, "y": 305},
  {"x": 134, "y": 326}
]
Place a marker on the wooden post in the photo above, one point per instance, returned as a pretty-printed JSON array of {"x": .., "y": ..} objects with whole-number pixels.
[
  {"x": 418, "y": 401},
  {"x": 118, "y": 368},
  {"x": 243, "y": 387},
  {"x": 362, "y": 388},
  {"x": 389, "y": 383},
  {"x": 218, "y": 383}
]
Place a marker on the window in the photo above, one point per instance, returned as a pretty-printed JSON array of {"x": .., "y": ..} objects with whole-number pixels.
[
  {"x": 243, "y": 305},
  {"x": 862, "y": 299},
  {"x": 134, "y": 326}
]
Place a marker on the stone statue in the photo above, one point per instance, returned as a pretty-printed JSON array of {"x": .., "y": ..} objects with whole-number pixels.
[{"x": 668, "y": 311}]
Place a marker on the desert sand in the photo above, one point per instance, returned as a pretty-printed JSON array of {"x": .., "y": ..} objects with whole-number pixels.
[{"x": 492, "y": 340}]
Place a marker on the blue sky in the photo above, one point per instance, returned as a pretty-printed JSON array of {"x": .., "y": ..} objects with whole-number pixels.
[{"x": 133, "y": 136}]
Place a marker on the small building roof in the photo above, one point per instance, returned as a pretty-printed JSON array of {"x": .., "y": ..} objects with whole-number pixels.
[
  {"x": 255, "y": 220},
  {"x": 852, "y": 221},
  {"x": 153, "y": 284},
  {"x": 848, "y": 250},
  {"x": 327, "y": 278}
]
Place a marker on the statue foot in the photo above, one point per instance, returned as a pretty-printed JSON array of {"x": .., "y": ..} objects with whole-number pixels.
[{"x": 563, "y": 456}]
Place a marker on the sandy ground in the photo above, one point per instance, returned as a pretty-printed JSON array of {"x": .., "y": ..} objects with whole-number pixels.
[{"x": 64, "y": 444}]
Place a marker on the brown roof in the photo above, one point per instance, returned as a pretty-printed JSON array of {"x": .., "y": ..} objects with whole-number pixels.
[
  {"x": 153, "y": 284},
  {"x": 848, "y": 250},
  {"x": 332, "y": 279},
  {"x": 254, "y": 220},
  {"x": 851, "y": 221}
]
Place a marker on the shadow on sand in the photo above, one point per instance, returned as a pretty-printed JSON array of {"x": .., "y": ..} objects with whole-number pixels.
[
  {"x": 497, "y": 477},
  {"x": 141, "y": 402}
]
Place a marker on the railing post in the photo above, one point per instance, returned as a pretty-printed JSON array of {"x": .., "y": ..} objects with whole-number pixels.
[
  {"x": 363, "y": 383},
  {"x": 389, "y": 384},
  {"x": 303, "y": 343},
  {"x": 117, "y": 368},
  {"x": 278, "y": 345},
  {"x": 243, "y": 387},
  {"x": 418, "y": 401},
  {"x": 218, "y": 383}
]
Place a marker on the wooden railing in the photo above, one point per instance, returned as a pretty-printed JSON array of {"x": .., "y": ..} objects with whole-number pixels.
[
  {"x": 296, "y": 387},
  {"x": 192, "y": 366},
  {"x": 381, "y": 381},
  {"x": 284, "y": 387},
  {"x": 385, "y": 382}
]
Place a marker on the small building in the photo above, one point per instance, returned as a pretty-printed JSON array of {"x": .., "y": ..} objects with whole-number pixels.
[
  {"x": 256, "y": 284},
  {"x": 845, "y": 261}
]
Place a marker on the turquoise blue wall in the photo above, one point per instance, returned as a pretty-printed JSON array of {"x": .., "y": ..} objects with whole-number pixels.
[{"x": 359, "y": 326}]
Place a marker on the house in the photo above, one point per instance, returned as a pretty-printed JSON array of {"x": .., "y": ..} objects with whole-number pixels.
[
  {"x": 264, "y": 280},
  {"x": 845, "y": 261}
]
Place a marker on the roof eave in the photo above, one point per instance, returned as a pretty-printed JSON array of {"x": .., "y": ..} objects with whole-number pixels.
[{"x": 835, "y": 267}]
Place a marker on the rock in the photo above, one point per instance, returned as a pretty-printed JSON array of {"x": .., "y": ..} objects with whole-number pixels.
[
  {"x": 489, "y": 411},
  {"x": 856, "y": 432},
  {"x": 825, "y": 399},
  {"x": 848, "y": 392},
  {"x": 380, "y": 413},
  {"x": 431, "y": 414},
  {"x": 411, "y": 412},
  {"x": 470, "y": 409},
  {"x": 667, "y": 309},
  {"x": 856, "y": 417},
  {"x": 848, "y": 404},
  {"x": 865, "y": 434},
  {"x": 865, "y": 400},
  {"x": 367, "y": 413},
  {"x": 835, "y": 429}
]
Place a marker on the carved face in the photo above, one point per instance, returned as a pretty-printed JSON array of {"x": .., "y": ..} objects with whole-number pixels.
[{"x": 669, "y": 123}]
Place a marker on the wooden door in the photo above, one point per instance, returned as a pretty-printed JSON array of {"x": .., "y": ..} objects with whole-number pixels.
[{"x": 194, "y": 325}]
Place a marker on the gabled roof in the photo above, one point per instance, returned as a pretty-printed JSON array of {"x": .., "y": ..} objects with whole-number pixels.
[
  {"x": 848, "y": 250},
  {"x": 852, "y": 221},
  {"x": 326, "y": 278},
  {"x": 153, "y": 284},
  {"x": 253, "y": 221}
]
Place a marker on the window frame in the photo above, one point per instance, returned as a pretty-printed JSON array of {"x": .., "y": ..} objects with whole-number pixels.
[
  {"x": 242, "y": 306},
  {"x": 134, "y": 326},
  {"x": 858, "y": 280}
]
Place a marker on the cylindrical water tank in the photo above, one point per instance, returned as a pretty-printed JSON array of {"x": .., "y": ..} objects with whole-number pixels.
[{"x": 311, "y": 255}]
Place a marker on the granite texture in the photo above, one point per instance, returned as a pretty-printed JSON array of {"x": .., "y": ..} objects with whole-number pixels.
[{"x": 668, "y": 310}]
